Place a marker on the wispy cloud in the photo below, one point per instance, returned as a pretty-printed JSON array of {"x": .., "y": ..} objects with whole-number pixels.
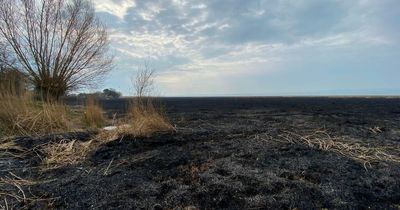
[{"x": 212, "y": 46}]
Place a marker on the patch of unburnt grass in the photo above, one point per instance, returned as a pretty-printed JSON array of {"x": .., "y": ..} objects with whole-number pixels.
[
  {"x": 93, "y": 115},
  {"x": 144, "y": 119},
  {"x": 21, "y": 115}
]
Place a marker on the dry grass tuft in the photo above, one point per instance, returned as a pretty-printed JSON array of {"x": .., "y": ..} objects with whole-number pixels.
[
  {"x": 93, "y": 115},
  {"x": 66, "y": 152},
  {"x": 145, "y": 119},
  {"x": 73, "y": 152},
  {"x": 322, "y": 140},
  {"x": 142, "y": 121},
  {"x": 21, "y": 115}
]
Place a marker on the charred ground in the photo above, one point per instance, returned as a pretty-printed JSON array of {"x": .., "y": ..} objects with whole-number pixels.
[{"x": 226, "y": 153}]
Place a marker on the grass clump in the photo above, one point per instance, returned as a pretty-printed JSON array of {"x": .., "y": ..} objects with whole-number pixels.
[
  {"x": 21, "y": 115},
  {"x": 93, "y": 115},
  {"x": 144, "y": 119},
  {"x": 65, "y": 153}
]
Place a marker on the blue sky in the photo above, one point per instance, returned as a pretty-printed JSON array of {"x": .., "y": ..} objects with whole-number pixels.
[{"x": 256, "y": 47}]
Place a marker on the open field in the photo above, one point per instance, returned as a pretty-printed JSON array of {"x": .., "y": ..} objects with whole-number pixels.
[{"x": 226, "y": 153}]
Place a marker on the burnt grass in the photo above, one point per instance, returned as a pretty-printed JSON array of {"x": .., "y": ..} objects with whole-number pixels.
[{"x": 227, "y": 153}]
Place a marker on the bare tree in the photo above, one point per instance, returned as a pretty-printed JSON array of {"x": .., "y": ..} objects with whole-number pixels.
[
  {"x": 144, "y": 81},
  {"x": 6, "y": 61},
  {"x": 60, "y": 44}
]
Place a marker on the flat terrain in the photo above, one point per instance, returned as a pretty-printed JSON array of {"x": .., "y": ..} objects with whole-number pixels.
[{"x": 226, "y": 153}]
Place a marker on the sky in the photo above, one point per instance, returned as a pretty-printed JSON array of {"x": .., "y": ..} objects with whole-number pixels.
[{"x": 256, "y": 47}]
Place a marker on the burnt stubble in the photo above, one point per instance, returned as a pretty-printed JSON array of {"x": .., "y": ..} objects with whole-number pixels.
[{"x": 232, "y": 153}]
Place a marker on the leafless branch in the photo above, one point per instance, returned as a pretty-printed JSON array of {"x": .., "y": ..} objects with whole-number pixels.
[{"x": 60, "y": 44}]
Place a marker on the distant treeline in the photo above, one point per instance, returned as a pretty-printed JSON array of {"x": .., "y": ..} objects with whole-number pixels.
[{"x": 108, "y": 93}]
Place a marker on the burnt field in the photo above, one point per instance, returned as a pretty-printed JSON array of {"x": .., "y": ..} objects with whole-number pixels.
[{"x": 226, "y": 153}]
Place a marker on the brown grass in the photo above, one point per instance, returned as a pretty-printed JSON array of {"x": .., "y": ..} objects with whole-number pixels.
[
  {"x": 21, "y": 115},
  {"x": 144, "y": 119},
  {"x": 93, "y": 115},
  {"x": 322, "y": 140},
  {"x": 9, "y": 144},
  {"x": 73, "y": 152},
  {"x": 66, "y": 152}
]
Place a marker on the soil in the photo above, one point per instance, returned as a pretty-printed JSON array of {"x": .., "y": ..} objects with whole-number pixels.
[{"x": 226, "y": 153}]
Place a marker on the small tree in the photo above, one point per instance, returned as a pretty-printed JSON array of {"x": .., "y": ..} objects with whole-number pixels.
[
  {"x": 59, "y": 44},
  {"x": 144, "y": 81},
  {"x": 111, "y": 93}
]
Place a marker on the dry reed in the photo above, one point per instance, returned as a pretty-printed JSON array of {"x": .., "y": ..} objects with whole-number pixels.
[
  {"x": 93, "y": 115},
  {"x": 20, "y": 114},
  {"x": 145, "y": 118}
]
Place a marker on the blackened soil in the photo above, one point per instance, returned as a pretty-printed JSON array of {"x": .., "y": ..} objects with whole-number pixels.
[{"x": 227, "y": 153}]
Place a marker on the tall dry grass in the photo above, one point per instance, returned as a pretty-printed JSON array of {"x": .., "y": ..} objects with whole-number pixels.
[
  {"x": 144, "y": 118},
  {"x": 93, "y": 115},
  {"x": 20, "y": 114}
]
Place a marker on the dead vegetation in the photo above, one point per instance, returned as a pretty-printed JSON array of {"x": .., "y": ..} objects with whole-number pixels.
[
  {"x": 20, "y": 114},
  {"x": 15, "y": 191},
  {"x": 24, "y": 116},
  {"x": 144, "y": 117},
  {"x": 65, "y": 153},
  {"x": 93, "y": 115},
  {"x": 9, "y": 144},
  {"x": 322, "y": 140}
]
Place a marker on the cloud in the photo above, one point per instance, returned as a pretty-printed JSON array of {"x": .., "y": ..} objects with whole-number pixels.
[
  {"x": 117, "y": 8},
  {"x": 198, "y": 45}
]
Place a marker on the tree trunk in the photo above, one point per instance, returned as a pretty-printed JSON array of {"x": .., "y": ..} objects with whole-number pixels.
[{"x": 50, "y": 92}]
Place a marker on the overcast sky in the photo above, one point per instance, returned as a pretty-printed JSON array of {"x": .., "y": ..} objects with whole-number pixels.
[{"x": 256, "y": 47}]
